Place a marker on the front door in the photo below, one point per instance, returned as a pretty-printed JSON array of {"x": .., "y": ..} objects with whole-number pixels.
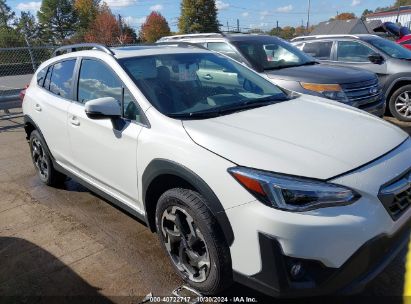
[{"x": 99, "y": 152}]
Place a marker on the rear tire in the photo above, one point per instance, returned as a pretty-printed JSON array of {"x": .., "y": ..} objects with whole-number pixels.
[
  {"x": 400, "y": 103},
  {"x": 193, "y": 240},
  {"x": 42, "y": 161}
]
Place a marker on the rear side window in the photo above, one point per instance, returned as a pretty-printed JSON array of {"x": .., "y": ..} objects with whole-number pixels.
[
  {"x": 225, "y": 49},
  {"x": 320, "y": 50},
  {"x": 97, "y": 80},
  {"x": 61, "y": 82},
  {"x": 41, "y": 76}
]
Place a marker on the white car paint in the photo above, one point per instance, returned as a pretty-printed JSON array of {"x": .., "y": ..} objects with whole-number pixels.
[{"x": 304, "y": 137}]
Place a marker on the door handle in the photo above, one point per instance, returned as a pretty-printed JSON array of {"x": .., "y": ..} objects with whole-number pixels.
[
  {"x": 208, "y": 77},
  {"x": 74, "y": 121},
  {"x": 37, "y": 107}
]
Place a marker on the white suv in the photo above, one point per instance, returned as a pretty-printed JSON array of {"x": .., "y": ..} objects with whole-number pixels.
[{"x": 288, "y": 194}]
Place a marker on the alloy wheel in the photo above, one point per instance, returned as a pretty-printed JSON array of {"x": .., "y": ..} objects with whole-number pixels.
[
  {"x": 403, "y": 104},
  {"x": 185, "y": 244},
  {"x": 40, "y": 158}
]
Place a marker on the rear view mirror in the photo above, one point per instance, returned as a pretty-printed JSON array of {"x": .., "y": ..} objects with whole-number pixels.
[
  {"x": 103, "y": 108},
  {"x": 376, "y": 58}
]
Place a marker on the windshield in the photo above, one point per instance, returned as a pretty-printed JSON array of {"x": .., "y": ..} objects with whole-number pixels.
[
  {"x": 198, "y": 85},
  {"x": 390, "y": 48},
  {"x": 268, "y": 53}
]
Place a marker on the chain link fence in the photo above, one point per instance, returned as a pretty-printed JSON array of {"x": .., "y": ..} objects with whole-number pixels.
[{"x": 17, "y": 66}]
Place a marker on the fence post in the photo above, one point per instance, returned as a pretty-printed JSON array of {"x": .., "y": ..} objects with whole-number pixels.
[{"x": 30, "y": 53}]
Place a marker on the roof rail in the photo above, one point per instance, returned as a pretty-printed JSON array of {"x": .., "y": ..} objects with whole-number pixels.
[
  {"x": 323, "y": 36},
  {"x": 179, "y": 44},
  {"x": 201, "y": 35},
  {"x": 73, "y": 48}
]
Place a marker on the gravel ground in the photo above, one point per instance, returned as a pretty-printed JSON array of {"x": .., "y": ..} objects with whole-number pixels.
[{"x": 69, "y": 242}]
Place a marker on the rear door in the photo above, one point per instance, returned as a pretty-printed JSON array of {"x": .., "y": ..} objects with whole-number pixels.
[
  {"x": 320, "y": 50},
  {"x": 100, "y": 153},
  {"x": 51, "y": 106}
]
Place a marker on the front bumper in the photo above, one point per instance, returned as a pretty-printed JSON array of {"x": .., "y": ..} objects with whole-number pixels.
[
  {"x": 326, "y": 238},
  {"x": 376, "y": 108},
  {"x": 275, "y": 278}
]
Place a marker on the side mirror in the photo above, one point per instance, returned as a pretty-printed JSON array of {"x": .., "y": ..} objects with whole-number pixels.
[
  {"x": 103, "y": 108},
  {"x": 376, "y": 58}
]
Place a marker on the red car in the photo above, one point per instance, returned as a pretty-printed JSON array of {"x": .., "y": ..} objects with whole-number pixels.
[{"x": 402, "y": 34}]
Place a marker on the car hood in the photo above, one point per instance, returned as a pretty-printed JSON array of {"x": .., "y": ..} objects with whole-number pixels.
[
  {"x": 310, "y": 137},
  {"x": 321, "y": 73}
]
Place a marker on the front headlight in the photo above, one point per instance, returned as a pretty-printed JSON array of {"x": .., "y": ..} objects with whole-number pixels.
[
  {"x": 292, "y": 193},
  {"x": 330, "y": 91}
]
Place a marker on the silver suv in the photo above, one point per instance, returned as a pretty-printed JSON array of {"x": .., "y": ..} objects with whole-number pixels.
[{"x": 389, "y": 60}]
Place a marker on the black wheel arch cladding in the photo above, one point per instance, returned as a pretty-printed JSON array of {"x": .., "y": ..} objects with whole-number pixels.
[{"x": 164, "y": 167}]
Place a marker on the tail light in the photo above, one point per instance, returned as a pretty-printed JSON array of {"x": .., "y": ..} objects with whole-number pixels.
[{"x": 23, "y": 92}]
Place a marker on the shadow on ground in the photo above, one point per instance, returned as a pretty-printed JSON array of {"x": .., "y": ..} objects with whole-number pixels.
[{"x": 36, "y": 273}]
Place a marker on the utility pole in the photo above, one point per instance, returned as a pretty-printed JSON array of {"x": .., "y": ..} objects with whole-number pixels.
[
  {"x": 398, "y": 13},
  {"x": 238, "y": 25},
  {"x": 308, "y": 14},
  {"x": 120, "y": 24},
  {"x": 278, "y": 29},
  {"x": 228, "y": 27}
]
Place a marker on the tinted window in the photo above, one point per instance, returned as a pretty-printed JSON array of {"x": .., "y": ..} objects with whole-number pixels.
[
  {"x": 269, "y": 53},
  {"x": 224, "y": 48},
  {"x": 62, "y": 78},
  {"x": 352, "y": 51},
  {"x": 41, "y": 76},
  {"x": 97, "y": 80},
  {"x": 48, "y": 77},
  {"x": 320, "y": 49}
]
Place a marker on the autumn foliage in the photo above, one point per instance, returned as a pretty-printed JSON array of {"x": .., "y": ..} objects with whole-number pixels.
[
  {"x": 154, "y": 28},
  {"x": 344, "y": 16},
  {"x": 105, "y": 29}
]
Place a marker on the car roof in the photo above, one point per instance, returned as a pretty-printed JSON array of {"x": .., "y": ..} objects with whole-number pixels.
[
  {"x": 316, "y": 37},
  {"x": 145, "y": 50},
  {"x": 216, "y": 36},
  {"x": 71, "y": 51}
]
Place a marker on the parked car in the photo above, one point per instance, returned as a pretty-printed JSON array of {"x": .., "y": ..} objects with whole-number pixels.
[
  {"x": 401, "y": 34},
  {"x": 390, "y": 61},
  {"x": 290, "y": 68},
  {"x": 292, "y": 195}
]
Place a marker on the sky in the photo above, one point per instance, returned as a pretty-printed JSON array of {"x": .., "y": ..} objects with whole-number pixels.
[{"x": 262, "y": 14}]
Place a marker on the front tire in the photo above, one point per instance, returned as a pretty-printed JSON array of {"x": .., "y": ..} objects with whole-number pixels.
[
  {"x": 42, "y": 161},
  {"x": 400, "y": 103},
  {"x": 193, "y": 240}
]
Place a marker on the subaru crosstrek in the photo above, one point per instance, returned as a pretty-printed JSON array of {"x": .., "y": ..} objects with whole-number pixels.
[{"x": 243, "y": 181}]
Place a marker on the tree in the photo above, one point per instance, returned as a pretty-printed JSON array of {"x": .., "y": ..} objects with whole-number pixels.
[
  {"x": 58, "y": 20},
  {"x": 198, "y": 16},
  {"x": 27, "y": 26},
  {"x": 87, "y": 11},
  {"x": 287, "y": 32},
  {"x": 154, "y": 28},
  {"x": 130, "y": 34},
  {"x": 402, "y": 2},
  {"x": 344, "y": 16},
  {"x": 6, "y": 14},
  {"x": 105, "y": 28}
]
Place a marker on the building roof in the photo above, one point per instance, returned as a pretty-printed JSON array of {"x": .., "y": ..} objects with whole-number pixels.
[
  {"x": 391, "y": 12},
  {"x": 340, "y": 27}
]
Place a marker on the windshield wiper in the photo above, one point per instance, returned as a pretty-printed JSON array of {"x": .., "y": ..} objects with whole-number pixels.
[
  {"x": 290, "y": 65},
  {"x": 250, "y": 104}
]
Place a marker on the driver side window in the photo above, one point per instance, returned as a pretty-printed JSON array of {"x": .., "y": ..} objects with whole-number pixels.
[{"x": 96, "y": 80}]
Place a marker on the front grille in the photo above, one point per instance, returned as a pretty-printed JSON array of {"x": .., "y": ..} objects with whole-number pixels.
[
  {"x": 396, "y": 196},
  {"x": 401, "y": 202},
  {"x": 361, "y": 94}
]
